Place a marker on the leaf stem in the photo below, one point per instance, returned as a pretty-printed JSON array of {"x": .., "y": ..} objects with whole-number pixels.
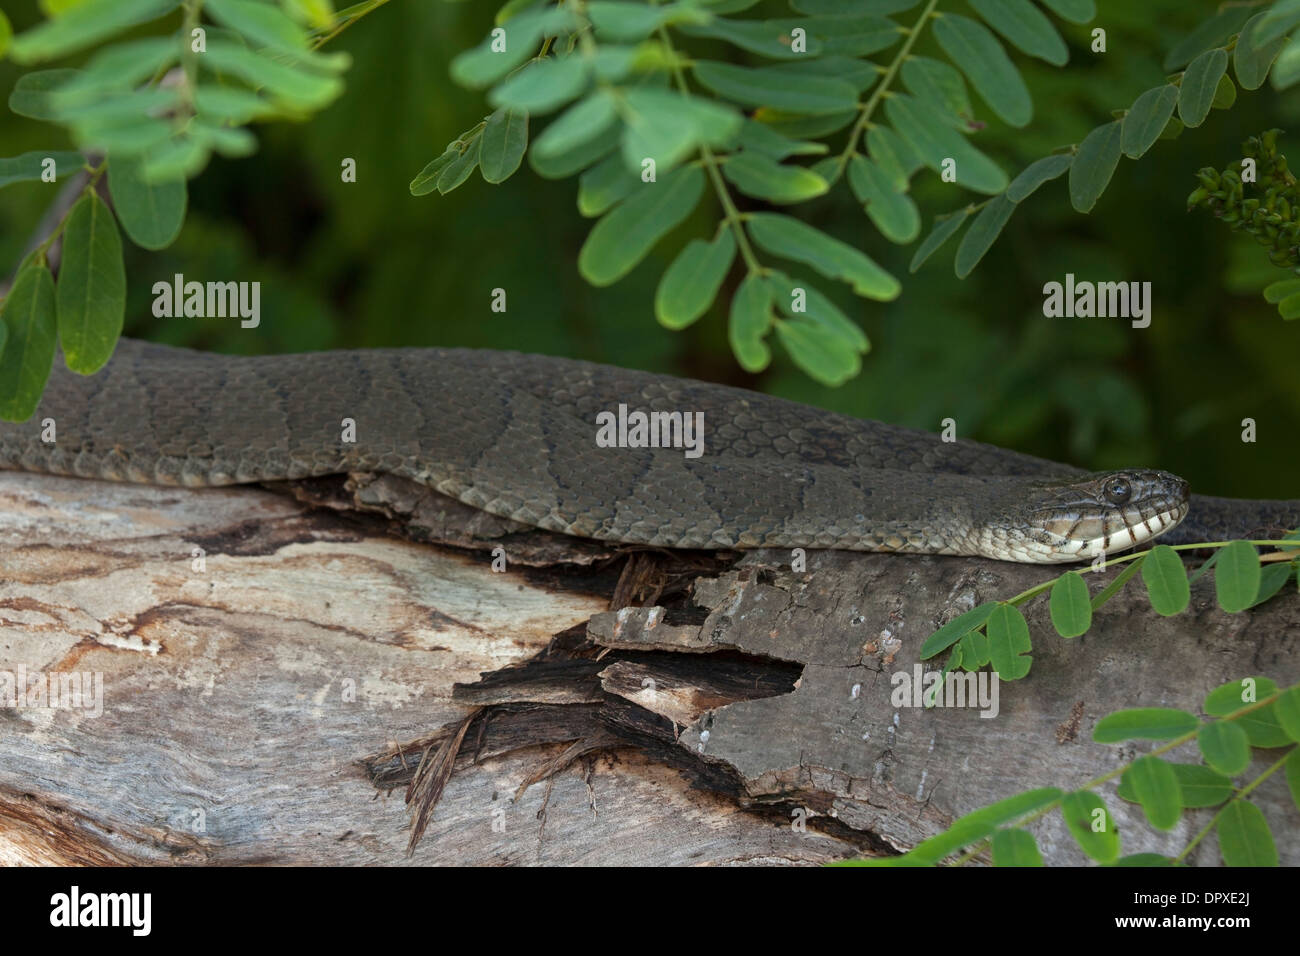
[
  {"x": 731, "y": 215},
  {"x": 372, "y": 6},
  {"x": 850, "y": 148}
]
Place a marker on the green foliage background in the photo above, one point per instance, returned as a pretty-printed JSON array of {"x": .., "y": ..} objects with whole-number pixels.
[{"x": 366, "y": 264}]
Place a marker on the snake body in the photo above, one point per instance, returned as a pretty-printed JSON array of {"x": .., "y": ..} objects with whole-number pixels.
[{"x": 516, "y": 435}]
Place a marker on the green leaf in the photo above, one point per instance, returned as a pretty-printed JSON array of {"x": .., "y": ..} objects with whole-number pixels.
[
  {"x": 426, "y": 180},
  {"x": 1292, "y": 768},
  {"x": 1121, "y": 579},
  {"x": 1230, "y": 697},
  {"x": 1146, "y": 119},
  {"x": 974, "y": 649},
  {"x": 1236, "y": 577},
  {"x": 941, "y": 86},
  {"x": 1287, "y": 710},
  {"x": 297, "y": 88},
  {"x": 605, "y": 184},
  {"x": 578, "y": 158},
  {"x": 122, "y": 66},
  {"x": 1225, "y": 94},
  {"x": 934, "y": 142},
  {"x": 956, "y": 629},
  {"x": 1200, "y": 81},
  {"x": 981, "y": 57},
  {"x": 28, "y": 314},
  {"x": 1025, "y": 27},
  {"x": 1201, "y": 786},
  {"x": 626, "y": 234},
  {"x": 1244, "y": 837},
  {"x": 1015, "y": 848},
  {"x": 1070, "y": 608},
  {"x": 983, "y": 822},
  {"x": 543, "y": 85},
  {"x": 151, "y": 213},
  {"x": 769, "y": 38},
  {"x": 29, "y": 166},
  {"x": 1225, "y": 747},
  {"x": 894, "y": 156},
  {"x": 262, "y": 23},
  {"x": 798, "y": 300},
  {"x": 1276, "y": 22},
  {"x": 821, "y": 355},
  {"x": 1271, "y": 580},
  {"x": 854, "y": 35},
  {"x": 504, "y": 140},
  {"x": 1077, "y": 11},
  {"x": 91, "y": 298},
  {"x": 893, "y": 213},
  {"x": 1289, "y": 308},
  {"x": 1009, "y": 643},
  {"x": 750, "y": 320},
  {"x": 794, "y": 239},
  {"x": 1282, "y": 289},
  {"x": 762, "y": 139},
  {"x": 1083, "y": 810},
  {"x": 983, "y": 232},
  {"x": 1156, "y": 788},
  {"x": 1209, "y": 33},
  {"x": 1198, "y": 785},
  {"x": 1144, "y": 723},
  {"x": 625, "y": 22},
  {"x": 943, "y": 230},
  {"x": 580, "y": 123},
  {"x": 85, "y": 25},
  {"x": 460, "y": 167},
  {"x": 225, "y": 104},
  {"x": 316, "y": 13},
  {"x": 32, "y": 94},
  {"x": 508, "y": 46},
  {"x": 1173, "y": 129},
  {"x": 667, "y": 126},
  {"x": 798, "y": 126},
  {"x": 776, "y": 89},
  {"x": 756, "y": 175},
  {"x": 859, "y": 74},
  {"x": 6, "y": 37},
  {"x": 691, "y": 283},
  {"x": 1036, "y": 173},
  {"x": 1166, "y": 581},
  {"x": 1261, "y": 725},
  {"x": 1094, "y": 164}
]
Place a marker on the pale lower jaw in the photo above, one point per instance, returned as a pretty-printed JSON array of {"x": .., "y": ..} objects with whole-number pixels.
[{"x": 1124, "y": 539}]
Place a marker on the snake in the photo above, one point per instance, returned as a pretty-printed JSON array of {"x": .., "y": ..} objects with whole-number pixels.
[{"x": 519, "y": 436}]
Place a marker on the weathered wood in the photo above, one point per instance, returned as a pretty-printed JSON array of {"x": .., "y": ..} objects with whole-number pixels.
[{"x": 272, "y": 706}]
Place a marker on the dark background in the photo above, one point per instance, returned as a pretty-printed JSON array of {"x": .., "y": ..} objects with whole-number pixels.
[{"x": 367, "y": 264}]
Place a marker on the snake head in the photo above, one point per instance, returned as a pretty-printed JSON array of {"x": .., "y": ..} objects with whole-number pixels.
[{"x": 1076, "y": 519}]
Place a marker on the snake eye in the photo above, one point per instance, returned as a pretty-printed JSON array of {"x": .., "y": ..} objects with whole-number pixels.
[{"x": 1118, "y": 490}]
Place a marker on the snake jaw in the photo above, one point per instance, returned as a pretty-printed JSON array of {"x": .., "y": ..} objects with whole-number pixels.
[{"x": 1080, "y": 519}]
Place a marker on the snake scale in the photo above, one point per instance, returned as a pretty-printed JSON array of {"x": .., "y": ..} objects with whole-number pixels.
[{"x": 515, "y": 435}]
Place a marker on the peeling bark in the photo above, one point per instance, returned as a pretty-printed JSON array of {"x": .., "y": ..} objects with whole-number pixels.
[{"x": 274, "y": 672}]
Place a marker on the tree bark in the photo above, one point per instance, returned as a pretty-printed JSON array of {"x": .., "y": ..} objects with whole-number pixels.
[{"x": 275, "y": 675}]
